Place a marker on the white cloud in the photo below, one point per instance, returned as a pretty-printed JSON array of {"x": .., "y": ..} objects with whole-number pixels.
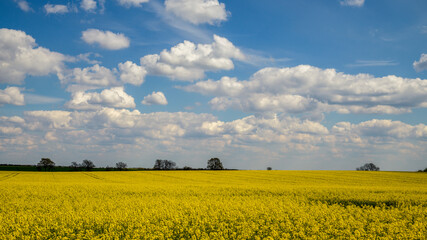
[
  {"x": 309, "y": 89},
  {"x": 88, "y": 78},
  {"x": 198, "y": 11},
  {"x": 379, "y": 128},
  {"x": 188, "y": 61},
  {"x": 48, "y": 119},
  {"x": 115, "y": 97},
  {"x": 132, "y": 73},
  {"x": 156, "y": 98},
  {"x": 353, "y": 3},
  {"x": 181, "y": 134},
  {"x": 20, "y": 56},
  {"x": 55, "y": 9},
  {"x": 249, "y": 131},
  {"x": 88, "y": 5},
  {"x": 372, "y": 63},
  {"x": 11, "y": 95},
  {"x": 226, "y": 86},
  {"x": 96, "y": 76},
  {"x": 86, "y": 57},
  {"x": 23, "y": 5},
  {"x": 106, "y": 39},
  {"x": 10, "y": 130},
  {"x": 39, "y": 99},
  {"x": 183, "y": 28},
  {"x": 132, "y": 3},
  {"x": 421, "y": 64}
]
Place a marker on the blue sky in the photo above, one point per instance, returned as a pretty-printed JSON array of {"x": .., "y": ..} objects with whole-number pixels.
[{"x": 287, "y": 84}]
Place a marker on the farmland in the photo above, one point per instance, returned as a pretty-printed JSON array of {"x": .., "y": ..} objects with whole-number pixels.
[{"x": 213, "y": 205}]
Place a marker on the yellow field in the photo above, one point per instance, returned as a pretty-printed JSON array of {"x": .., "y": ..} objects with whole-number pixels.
[{"x": 213, "y": 205}]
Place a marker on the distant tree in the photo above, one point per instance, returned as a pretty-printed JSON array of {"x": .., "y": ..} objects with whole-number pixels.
[
  {"x": 368, "y": 167},
  {"x": 269, "y": 168},
  {"x": 164, "y": 164},
  {"x": 215, "y": 164},
  {"x": 45, "y": 163},
  {"x": 187, "y": 168},
  {"x": 158, "y": 164},
  {"x": 88, "y": 165},
  {"x": 169, "y": 164},
  {"x": 121, "y": 166},
  {"x": 75, "y": 166}
]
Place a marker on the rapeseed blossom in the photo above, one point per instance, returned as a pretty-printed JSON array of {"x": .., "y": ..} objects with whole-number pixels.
[{"x": 213, "y": 205}]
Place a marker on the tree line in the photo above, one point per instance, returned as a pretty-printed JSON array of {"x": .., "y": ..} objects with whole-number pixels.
[{"x": 47, "y": 164}]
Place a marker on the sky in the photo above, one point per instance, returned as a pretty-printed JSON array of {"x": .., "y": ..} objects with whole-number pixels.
[{"x": 287, "y": 84}]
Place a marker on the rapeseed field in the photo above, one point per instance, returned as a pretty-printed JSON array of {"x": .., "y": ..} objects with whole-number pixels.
[{"x": 213, "y": 205}]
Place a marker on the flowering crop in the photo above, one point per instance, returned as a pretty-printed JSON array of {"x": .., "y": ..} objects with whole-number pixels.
[{"x": 213, "y": 205}]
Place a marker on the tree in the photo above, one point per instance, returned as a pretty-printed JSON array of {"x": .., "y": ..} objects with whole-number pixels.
[
  {"x": 169, "y": 165},
  {"x": 368, "y": 167},
  {"x": 215, "y": 164},
  {"x": 164, "y": 164},
  {"x": 75, "y": 166},
  {"x": 269, "y": 168},
  {"x": 121, "y": 166},
  {"x": 88, "y": 165},
  {"x": 45, "y": 163}
]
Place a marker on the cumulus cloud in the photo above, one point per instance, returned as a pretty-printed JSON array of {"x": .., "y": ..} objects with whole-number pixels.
[
  {"x": 20, "y": 56},
  {"x": 88, "y": 78},
  {"x": 132, "y": 73},
  {"x": 421, "y": 64},
  {"x": 10, "y": 130},
  {"x": 106, "y": 39},
  {"x": 381, "y": 128},
  {"x": 55, "y": 9},
  {"x": 274, "y": 136},
  {"x": 115, "y": 97},
  {"x": 226, "y": 86},
  {"x": 198, "y": 11},
  {"x": 156, "y": 98},
  {"x": 188, "y": 61},
  {"x": 96, "y": 76},
  {"x": 132, "y": 3},
  {"x": 309, "y": 89},
  {"x": 131, "y": 126},
  {"x": 353, "y": 3},
  {"x": 88, "y": 5},
  {"x": 36, "y": 120},
  {"x": 11, "y": 95}
]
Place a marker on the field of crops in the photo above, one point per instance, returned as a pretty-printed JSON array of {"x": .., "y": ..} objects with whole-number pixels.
[{"x": 213, "y": 205}]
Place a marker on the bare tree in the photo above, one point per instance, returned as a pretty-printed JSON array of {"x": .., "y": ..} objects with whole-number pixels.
[
  {"x": 368, "y": 167},
  {"x": 121, "y": 166},
  {"x": 46, "y": 163},
  {"x": 215, "y": 164},
  {"x": 88, "y": 165}
]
